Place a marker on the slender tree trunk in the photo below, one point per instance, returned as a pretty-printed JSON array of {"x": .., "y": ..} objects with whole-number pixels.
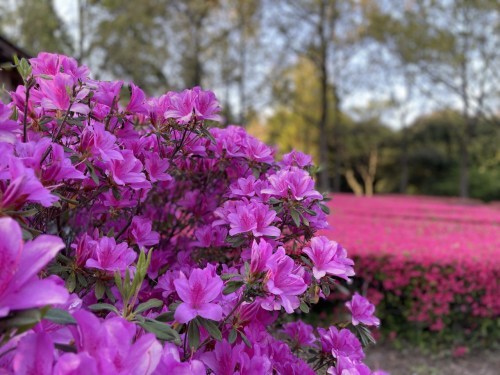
[
  {"x": 242, "y": 57},
  {"x": 403, "y": 183},
  {"x": 464, "y": 172},
  {"x": 197, "y": 71},
  {"x": 352, "y": 182},
  {"x": 465, "y": 138},
  {"x": 82, "y": 4},
  {"x": 337, "y": 141},
  {"x": 323, "y": 75}
]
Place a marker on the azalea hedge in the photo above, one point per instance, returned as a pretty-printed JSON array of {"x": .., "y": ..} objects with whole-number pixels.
[
  {"x": 138, "y": 237},
  {"x": 430, "y": 265}
]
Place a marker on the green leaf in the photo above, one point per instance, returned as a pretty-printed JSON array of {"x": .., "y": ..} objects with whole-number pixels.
[
  {"x": 150, "y": 304},
  {"x": 326, "y": 289},
  {"x": 245, "y": 339},
  {"x": 295, "y": 217},
  {"x": 228, "y": 276},
  {"x": 365, "y": 335},
  {"x": 342, "y": 289},
  {"x": 100, "y": 289},
  {"x": 116, "y": 193},
  {"x": 173, "y": 306},
  {"x": 165, "y": 317},
  {"x": 304, "y": 220},
  {"x": 193, "y": 334},
  {"x": 231, "y": 287},
  {"x": 24, "y": 318},
  {"x": 92, "y": 173},
  {"x": 82, "y": 280},
  {"x": 236, "y": 241},
  {"x": 309, "y": 211},
  {"x": 59, "y": 316},
  {"x": 233, "y": 335},
  {"x": 161, "y": 330},
  {"x": 303, "y": 307},
  {"x": 324, "y": 208},
  {"x": 211, "y": 327},
  {"x": 306, "y": 261},
  {"x": 104, "y": 306},
  {"x": 71, "y": 282}
]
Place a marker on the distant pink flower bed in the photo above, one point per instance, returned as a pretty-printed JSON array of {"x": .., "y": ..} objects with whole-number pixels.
[
  {"x": 443, "y": 255},
  {"x": 423, "y": 228}
]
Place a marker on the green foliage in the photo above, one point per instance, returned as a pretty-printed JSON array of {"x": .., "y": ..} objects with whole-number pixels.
[{"x": 38, "y": 27}]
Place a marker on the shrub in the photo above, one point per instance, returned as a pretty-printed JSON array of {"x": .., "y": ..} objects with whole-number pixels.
[
  {"x": 430, "y": 265},
  {"x": 138, "y": 238}
]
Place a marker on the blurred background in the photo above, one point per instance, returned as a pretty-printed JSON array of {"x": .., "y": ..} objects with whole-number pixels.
[{"x": 389, "y": 96}]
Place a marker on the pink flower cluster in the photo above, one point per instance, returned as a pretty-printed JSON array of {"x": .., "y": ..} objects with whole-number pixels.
[
  {"x": 440, "y": 256},
  {"x": 135, "y": 238}
]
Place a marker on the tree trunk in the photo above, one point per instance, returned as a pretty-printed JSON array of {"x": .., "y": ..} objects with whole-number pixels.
[
  {"x": 337, "y": 143},
  {"x": 403, "y": 183},
  {"x": 352, "y": 182},
  {"x": 323, "y": 76},
  {"x": 464, "y": 156}
]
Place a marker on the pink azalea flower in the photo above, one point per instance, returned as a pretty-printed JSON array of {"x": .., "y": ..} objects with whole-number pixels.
[
  {"x": 109, "y": 256},
  {"x": 59, "y": 167},
  {"x": 113, "y": 345},
  {"x": 345, "y": 366},
  {"x": 129, "y": 171},
  {"x": 255, "y": 217},
  {"x": 259, "y": 151},
  {"x": 329, "y": 257},
  {"x": 107, "y": 92},
  {"x": 24, "y": 187},
  {"x": 283, "y": 282},
  {"x": 171, "y": 363},
  {"x": 300, "y": 333},
  {"x": 181, "y": 107},
  {"x": 197, "y": 294},
  {"x": 156, "y": 167},
  {"x": 141, "y": 232},
  {"x": 137, "y": 103},
  {"x": 34, "y": 355},
  {"x": 56, "y": 96},
  {"x": 294, "y": 183},
  {"x": 341, "y": 343},
  {"x": 197, "y": 102},
  {"x": 362, "y": 311},
  {"x": 260, "y": 254},
  {"x": 46, "y": 63},
  {"x": 7, "y": 126},
  {"x": 223, "y": 359},
  {"x": 245, "y": 187},
  {"x": 208, "y": 236},
  {"x": 206, "y": 105},
  {"x": 20, "y": 287},
  {"x": 76, "y": 364},
  {"x": 101, "y": 142},
  {"x": 297, "y": 159},
  {"x": 51, "y": 64}
]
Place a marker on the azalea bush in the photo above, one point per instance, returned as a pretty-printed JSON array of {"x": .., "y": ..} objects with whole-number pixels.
[
  {"x": 137, "y": 237},
  {"x": 432, "y": 266}
]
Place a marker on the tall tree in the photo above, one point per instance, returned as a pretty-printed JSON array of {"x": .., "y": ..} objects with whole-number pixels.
[
  {"x": 131, "y": 42},
  {"x": 36, "y": 27},
  {"x": 455, "y": 48},
  {"x": 322, "y": 31}
]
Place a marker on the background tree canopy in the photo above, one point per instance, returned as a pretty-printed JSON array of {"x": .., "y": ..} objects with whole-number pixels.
[{"x": 387, "y": 95}]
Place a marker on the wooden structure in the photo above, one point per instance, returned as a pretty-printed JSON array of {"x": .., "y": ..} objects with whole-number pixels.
[{"x": 9, "y": 78}]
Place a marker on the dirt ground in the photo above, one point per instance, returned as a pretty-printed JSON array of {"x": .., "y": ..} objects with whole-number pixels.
[{"x": 414, "y": 362}]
